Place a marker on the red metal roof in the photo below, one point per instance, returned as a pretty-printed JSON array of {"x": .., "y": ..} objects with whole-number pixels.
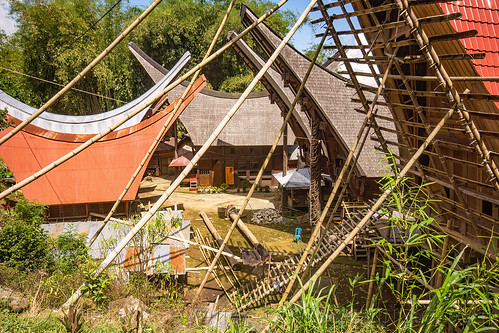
[
  {"x": 181, "y": 161},
  {"x": 97, "y": 174},
  {"x": 483, "y": 16}
]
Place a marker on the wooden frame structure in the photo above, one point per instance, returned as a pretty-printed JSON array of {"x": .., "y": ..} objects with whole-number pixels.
[{"x": 432, "y": 73}]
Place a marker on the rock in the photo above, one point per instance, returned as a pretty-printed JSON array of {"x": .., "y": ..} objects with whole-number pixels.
[
  {"x": 131, "y": 312},
  {"x": 15, "y": 301},
  {"x": 267, "y": 216}
]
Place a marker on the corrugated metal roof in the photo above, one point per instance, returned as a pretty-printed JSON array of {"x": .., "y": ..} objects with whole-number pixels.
[{"x": 483, "y": 16}]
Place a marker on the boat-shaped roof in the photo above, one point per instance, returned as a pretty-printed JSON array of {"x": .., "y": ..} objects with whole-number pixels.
[{"x": 90, "y": 124}]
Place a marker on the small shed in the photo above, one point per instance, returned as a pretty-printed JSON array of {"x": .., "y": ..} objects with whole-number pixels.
[{"x": 166, "y": 254}]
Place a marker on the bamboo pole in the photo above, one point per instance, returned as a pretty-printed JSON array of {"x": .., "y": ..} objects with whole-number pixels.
[
  {"x": 211, "y": 228},
  {"x": 164, "y": 129},
  {"x": 138, "y": 108},
  {"x": 121, "y": 245},
  {"x": 371, "y": 278},
  {"x": 337, "y": 185},
  {"x": 378, "y": 203},
  {"x": 82, "y": 73},
  {"x": 438, "y": 282},
  {"x": 454, "y": 97},
  {"x": 279, "y": 134}
]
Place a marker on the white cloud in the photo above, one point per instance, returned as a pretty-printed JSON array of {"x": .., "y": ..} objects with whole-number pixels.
[{"x": 7, "y": 23}]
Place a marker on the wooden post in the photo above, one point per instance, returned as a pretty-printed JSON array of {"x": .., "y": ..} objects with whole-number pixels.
[
  {"x": 249, "y": 235},
  {"x": 236, "y": 265},
  {"x": 315, "y": 169},
  {"x": 445, "y": 246},
  {"x": 284, "y": 192},
  {"x": 371, "y": 278}
]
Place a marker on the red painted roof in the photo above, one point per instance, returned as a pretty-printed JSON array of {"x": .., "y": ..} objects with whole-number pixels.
[
  {"x": 181, "y": 161},
  {"x": 483, "y": 16},
  {"x": 97, "y": 174}
]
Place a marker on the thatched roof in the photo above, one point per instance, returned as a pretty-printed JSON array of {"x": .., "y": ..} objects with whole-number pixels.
[
  {"x": 330, "y": 93},
  {"x": 255, "y": 124}
]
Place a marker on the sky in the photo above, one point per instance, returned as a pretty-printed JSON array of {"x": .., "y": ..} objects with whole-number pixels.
[{"x": 7, "y": 24}]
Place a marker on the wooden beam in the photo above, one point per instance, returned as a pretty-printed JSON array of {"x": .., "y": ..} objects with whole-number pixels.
[{"x": 234, "y": 263}]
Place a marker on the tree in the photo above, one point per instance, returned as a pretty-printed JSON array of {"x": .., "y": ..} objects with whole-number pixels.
[{"x": 56, "y": 39}]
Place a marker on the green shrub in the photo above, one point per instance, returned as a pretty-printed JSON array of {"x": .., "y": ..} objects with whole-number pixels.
[
  {"x": 24, "y": 245},
  {"x": 70, "y": 250},
  {"x": 315, "y": 312},
  {"x": 95, "y": 289},
  {"x": 30, "y": 212},
  {"x": 245, "y": 185},
  {"x": 223, "y": 187}
]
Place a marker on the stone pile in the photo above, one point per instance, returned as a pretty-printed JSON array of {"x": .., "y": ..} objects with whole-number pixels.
[{"x": 267, "y": 216}]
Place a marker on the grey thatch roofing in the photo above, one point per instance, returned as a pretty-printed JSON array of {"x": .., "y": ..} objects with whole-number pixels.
[
  {"x": 255, "y": 124},
  {"x": 330, "y": 92}
]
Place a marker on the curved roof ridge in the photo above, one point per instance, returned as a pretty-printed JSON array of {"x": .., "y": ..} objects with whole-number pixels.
[
  {"x": 151, "y": 66},
  {"x": 89, "y": 124}
]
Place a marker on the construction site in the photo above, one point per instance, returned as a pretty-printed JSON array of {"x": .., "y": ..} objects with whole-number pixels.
[{"x": 367, "y": 182}]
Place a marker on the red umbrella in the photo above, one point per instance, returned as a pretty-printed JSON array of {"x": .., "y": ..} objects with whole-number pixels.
[{"x": 181, "y": 161}]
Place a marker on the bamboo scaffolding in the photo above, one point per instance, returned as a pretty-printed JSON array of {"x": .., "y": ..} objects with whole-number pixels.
[
  {"x": 434, "y": 62},
  {"x": 436, "y": 146},
  {"x": 455, "y": 204},
  {"x": 381, "y": 199},
  {"x": 455, "y": 146},
  {"x": 278, "y": 136},
  {"x": 344, "y": 2},
  {"x": 372, "y": 124},
  {"x": 362, "y": 12},
  {"x": 77, "y": 294},
  {"x": 164, "y": 129},
  {"x": 399, "y": 24},
  {"x": 82, "y": 73},
  {"x": 138, "y": 108},
  {"x": 411, "y": 59},
  {"x": 430, "y": 78},
  {"x": 398, "y": 124},
  {"x": 340, "y": 176}
]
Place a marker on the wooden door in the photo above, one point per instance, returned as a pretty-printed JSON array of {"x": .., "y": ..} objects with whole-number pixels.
[{"x": 229, "y": 175}]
